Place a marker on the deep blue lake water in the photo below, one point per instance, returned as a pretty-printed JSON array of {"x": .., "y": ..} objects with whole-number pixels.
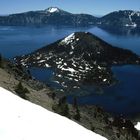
[{"x": 122, "y": 98}]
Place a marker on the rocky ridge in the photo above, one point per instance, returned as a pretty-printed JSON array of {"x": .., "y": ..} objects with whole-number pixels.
[{"x": 59, "y": 17}]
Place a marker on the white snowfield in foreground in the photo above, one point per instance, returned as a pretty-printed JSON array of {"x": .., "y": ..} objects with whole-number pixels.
[
  {"x": 22, "y": 120},
  {"x": 137, "y": 126}
]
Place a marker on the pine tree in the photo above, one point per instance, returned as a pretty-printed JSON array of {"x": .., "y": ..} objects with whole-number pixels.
[
  {"x": 21, "y": 91},
  {"x": 0, "y": 60},
  {"x": 62, "y": 107},
  {"x": 77, "y": 115},
  {"x": 75, "y": 104}
]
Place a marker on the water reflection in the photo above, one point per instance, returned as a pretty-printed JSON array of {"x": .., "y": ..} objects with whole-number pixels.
[
  {"x": 122, "y": 31},
  {"x": 123, "y": 97}
]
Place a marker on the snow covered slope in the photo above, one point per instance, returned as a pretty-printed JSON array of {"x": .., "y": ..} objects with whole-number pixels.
[
  {"x": 22, "y": 120},
  {"x": 137, "y": 126}
]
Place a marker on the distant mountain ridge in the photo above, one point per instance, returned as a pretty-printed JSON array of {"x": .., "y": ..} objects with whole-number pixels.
[
  {"x": 50, "y": 16},
  {"x": 127, "y": 18},
  {"x": 56, "y": 16}
]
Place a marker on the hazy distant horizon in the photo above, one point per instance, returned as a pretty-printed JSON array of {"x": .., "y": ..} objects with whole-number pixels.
[
  {"x": 49, "y": 7},
  {"x": 95, "y": 14},
  {"x": 93, "y": 7}
]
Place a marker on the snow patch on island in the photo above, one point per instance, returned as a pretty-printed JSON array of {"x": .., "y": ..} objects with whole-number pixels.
[{"x": 68, "y": 39}]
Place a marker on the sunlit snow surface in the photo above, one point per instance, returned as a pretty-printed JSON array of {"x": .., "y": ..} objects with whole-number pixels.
[
  {"x": 53, "y": 9},
  {"x": 22, "y": 120},
  {"x": 69, "y": 39},
  {"x": 137, "y": 126}
]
